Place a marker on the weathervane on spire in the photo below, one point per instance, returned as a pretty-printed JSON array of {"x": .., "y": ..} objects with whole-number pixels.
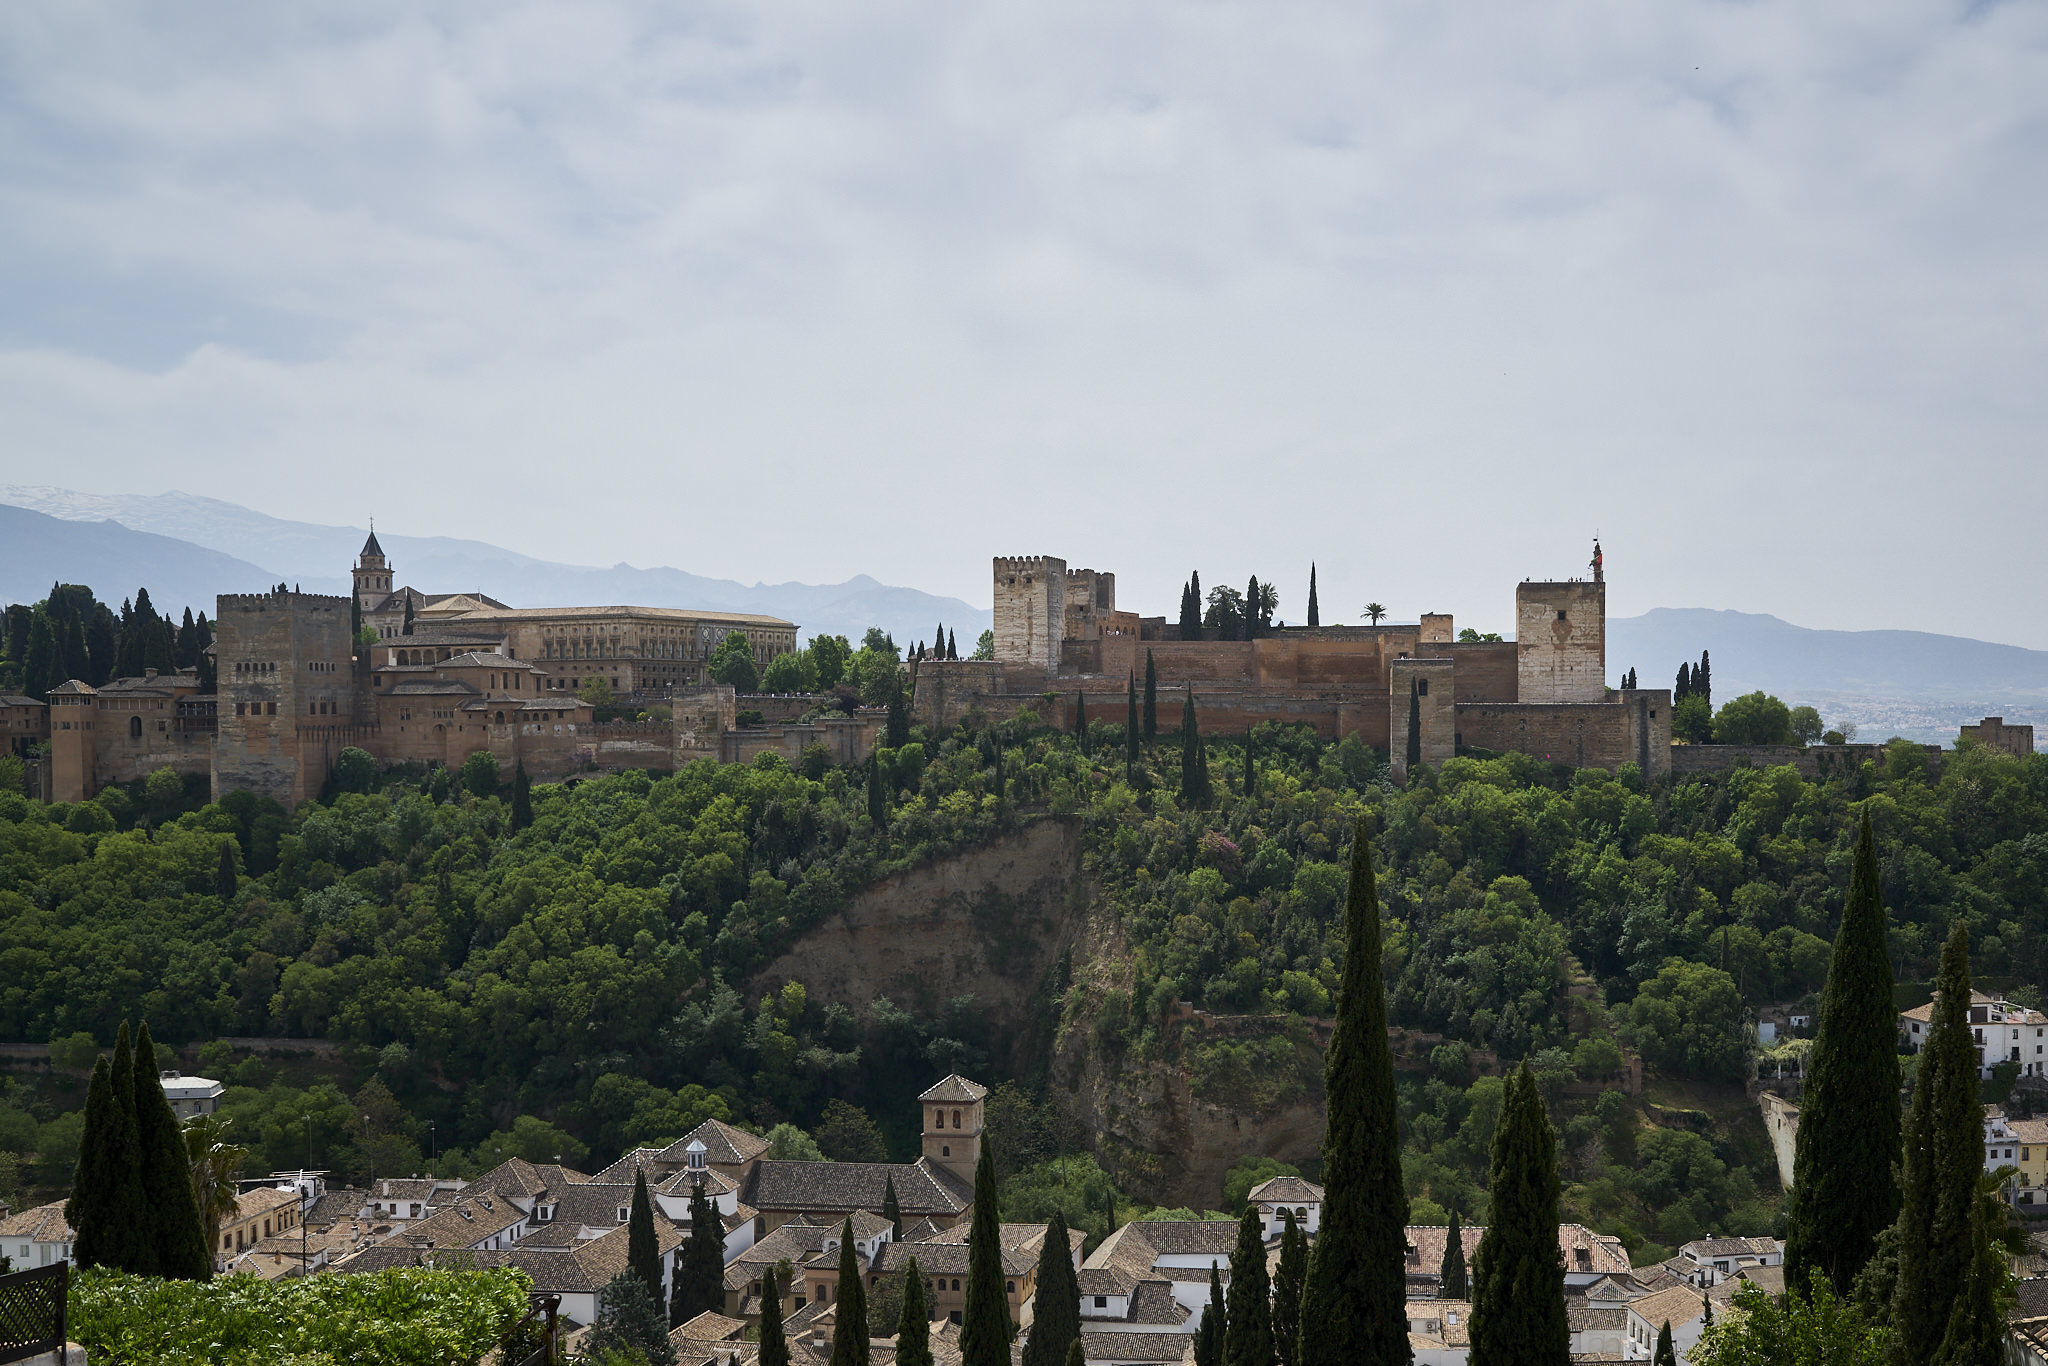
[{"x": 1599, "y": 561}]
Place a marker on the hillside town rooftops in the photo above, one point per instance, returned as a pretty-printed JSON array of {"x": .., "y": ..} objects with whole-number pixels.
[
  {"x": 922, "y": 1188},
  {"x": 723, "y": 1145}
]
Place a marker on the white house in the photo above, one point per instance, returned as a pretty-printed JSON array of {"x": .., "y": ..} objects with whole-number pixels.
[
  {"x": 1282, "y": 1193},
  {"x": 2001, "y": 1031},
  {"x": 191, "y": 1096},
  {"x": 1681, "y": 1306},
  {"x": 36, "y": 1237},
  {"x": 1714, "y": 1260}
]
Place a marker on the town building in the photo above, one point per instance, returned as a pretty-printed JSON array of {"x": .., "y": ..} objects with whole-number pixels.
[
  {"x": 36, "y": 1237},
  {"x": 191, "y": 1096},
  {"x": 261, "y": 1213},
  {"x": 2000, "y": 1031}
]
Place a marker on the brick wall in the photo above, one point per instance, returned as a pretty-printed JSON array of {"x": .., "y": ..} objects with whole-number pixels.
[
  {"x": 1583, "y": 735},
  {"x": 1561, "y": 640},
  {"x": 1487, "y": 670}
]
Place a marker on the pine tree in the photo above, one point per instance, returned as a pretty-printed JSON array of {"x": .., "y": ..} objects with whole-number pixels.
[
  {"x": 914, "y": 1328},
  {"x": 700, "y": 1279},
  {"x": 629, "y": 1320},
  {"x": 1287, "y": 1278},
  {"x": 1315, "y": 613},
  {"x": 878, "y": 800},
  {"x": 165, "y": 1169},
  {"x": 1703, "y": 680},
  {"x": 1056, "y": 1300},
  {"x": 1943, "y": 1153},
  {"x": 1248, "y": 1340},
  {"x": 225, "y": 876},
  {"x": 1518, "y": 1311},
  {"x": 1452, "y": 1282},
  {"x": 643, "y": 1249},
  {"x": 774, "y": 1349},
  {"x": 1081, "y": 717},
  {"x": 1352, "y": 1306},
  {"x": 1215, "y": 1325},
  {"x": 1414, "y": 750},
  {"x": 850, "y": 1315},
  {"x": 1844, "y": 1191},
  {"x": 1131, "y": 730},
  {"x": 522, "y": 797},
  {"x": 892, "y": 1208},
  {"x": 985, "y": 1319},
  {"x": 1666, "y": 1355},
  {"x": 1151, "y": 699}
]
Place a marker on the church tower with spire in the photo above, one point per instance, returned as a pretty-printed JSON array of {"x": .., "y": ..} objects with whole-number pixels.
[{"x": 373, "y": 574}]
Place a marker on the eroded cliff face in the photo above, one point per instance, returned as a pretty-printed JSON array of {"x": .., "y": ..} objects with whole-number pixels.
[{"x": 990, "y": 923}]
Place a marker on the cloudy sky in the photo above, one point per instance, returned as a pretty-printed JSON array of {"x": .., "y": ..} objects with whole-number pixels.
[{"x": 1428, "y": 293}]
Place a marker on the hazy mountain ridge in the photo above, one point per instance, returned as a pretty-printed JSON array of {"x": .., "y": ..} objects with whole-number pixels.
[{"x": 317, "y": 558}]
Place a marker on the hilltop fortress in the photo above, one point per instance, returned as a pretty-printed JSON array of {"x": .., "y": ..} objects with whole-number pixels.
[{"x": 1059, "y": 631}]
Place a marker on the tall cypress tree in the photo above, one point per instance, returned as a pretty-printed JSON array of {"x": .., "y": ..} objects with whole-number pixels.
[
  {"x": 1055, "y": 1299},
  {"x": 892, "y": 1207},
  {"x": 850, "y": 1315},
  {"x": 1215, "y": 1325},
  {"x": 1844, "y": 1191},
  {"x": 1352, "y": 1309},
  {"x": 1414, "y": 750},
  {"x": 952, "y": 646},
  {"x": 1666, "y": 1354},
  {"x": 643, "y": 1249},
  {"x": 226, "y": 877},
  {"x": 1518, "y": 1313},
  {"x": 774, "y": 1346},
  {"x": 1452, "y": 1281},
  {"x": 405, "y": 628},
  {"x": 1251, "y": 608},
  {"x": 1315, "y": 613},
  {"x": 92, "y": 1181},
  {"x": 878, "y": 800},
  {"x": 1151, "y": 699},
  {"x": 700, "y": 1279},
  {"x": 522, "y": 797},
  {"x": 914, "y": 1327},
  {"x": 1287, "y": 1279},
  {"x": 985, "y": 1319},
  {"x": 1251, "y": 772},
  {"x": 1976, "y": 1329},
  {"x": 41, "y": 670},
  {"x": 1131, "y": 730},
  {"x": 897, "y": 725},
  {"x": 1682, "y": 688},
  {"x": 1081, "y": 717},
  {"x": 175, "y": 1231},
  {"x": 130, "y": 1205},
  {"x": 1703, "y": 680},
  {"x": 1248, "y": 1341},
  {"x": 1194, "y": 763},
  {"x": 1943, "y": 1154}
]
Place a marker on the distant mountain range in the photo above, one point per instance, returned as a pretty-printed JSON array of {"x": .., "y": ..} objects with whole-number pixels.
[{"x": 186, "y": 549}]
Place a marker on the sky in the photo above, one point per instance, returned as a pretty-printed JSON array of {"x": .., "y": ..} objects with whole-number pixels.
[{"x": 1429, "y": 295}]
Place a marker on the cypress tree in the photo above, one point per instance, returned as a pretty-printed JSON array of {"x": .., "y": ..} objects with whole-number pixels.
[
  {"x": 1076, "y": 1356},
  {"x": 1194, "y": 763},
  {"x": 643, "y": 1250},
  {"x": 1452, "y": 1282},
  {"x": 406, "y": 628},
  {"x": 700, "y": 1280},
  {"x": 1976, "y": 1329},
  {"x": 1703, "y": 679},
  {"x": 99, "y": 1155},
  {"x": 985, "y": 1320},
  {"x": 1352, "y": 1307},
  {"x": 1215, "y": 1325},
  {"x": 175, "y": 1232},
  {"x": 225, "y": 876},
  {"x": 100, "y": 649},
  {"x": 892, "y": 1208},
  {"x": 131, "y": 1202},
  {"x": 1248, "y": 1340},
  {"x": 1518, "y": 1313},
  {"x": 1943, "y": 1154},
  {"x": 355, "y": 621},
  {"x": 39, "y": 665},
  {"x": 952, "y": 646},
  {"x": 1081, "y": 717},
  {"x": 1315, "y": 613},
  {"x": 1251, "y": 772},
  {"x": 1287, "y": 1278},
  {"x": 1131, "y": 731},
  {"x": 1844, "y": 1191},
  {"x": 1251, "y": 608},
  {"x": 1682, "y": 689},
  {"x": 1151, "y": 699},
  {"x": 878, "y": 800},
  {"x": 774, "y": 1346},
  {"x": 1056, "y": 1299},
  {"x": 1666, "y": 1355},
  {"x": 113, "y": 1223},
  {"x": 898, "y": 724},
  {"x": 1414, "y": 750},
  {"x": 522, "y": 798},
  {"x": 914, "y": 1328},
  {"x": 850, "y": 1315}
]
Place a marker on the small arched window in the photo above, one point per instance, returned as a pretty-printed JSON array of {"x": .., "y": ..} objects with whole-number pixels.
[
  {"x": 134, "y": 728},
  {"x": 938, "y": 1119},
  {"x": 956, "y": 1119}
]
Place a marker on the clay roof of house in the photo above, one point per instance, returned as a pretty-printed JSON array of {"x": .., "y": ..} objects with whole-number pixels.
[
  {"x": 72, "y": 687},
  {"x": 1582, "y": 1249},
  {"x": 1613, "y": 1288},
  {"x": 336, "y": 1205},
  {"x": 922, "y": 1187},
  {"x": 865, "y": 1225},
  {"x": 470, "y": 1220},
  {"x": 1584, "y": 1317},
  {"x": 1678, "y": 1305},
  {"x": 516, "y": 1176},
  {"x": 622, "y": 1169},
  {"x": 1438, "y": 1315},
  {"x": 16, "y": 700},
  {"x": 1106, "y": 1280},
  {"x": 2029, "y": 1130},
  {"x": 711, "y": 1326},
  {"x": 722, "y": 1144},
  {"x": 946, "y": 1259},
  {"x": 793, "y": 1241},
  {"x": 1732, "y": 1247},
  {"x": 1925, "y": 1013},
  {"x": 42, "y": 1224},
  {"x": 431, "y": 687},
  {"x": 1152, "y": 1302},
  {"x": 2030, "y": 1298},
  {"x": 678, "y": 1182},
  {"x": 1188, "y": 1237},
  {"x": 1111, "y": 1345},
  {"x": 261, "y": 1200},
  {"x": 1286, "y": 1190},
  {"x": 956, "y": 1090},
  {"x": 1769, "y": 1279},
  {"x": 1018, "y": 1237},
  {"x": 500, "y": 612},
  {"x": 404, "y": 1188}
]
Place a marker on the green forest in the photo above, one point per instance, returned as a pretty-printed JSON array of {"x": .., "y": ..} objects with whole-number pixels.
[{"x": 558, "y": 971}]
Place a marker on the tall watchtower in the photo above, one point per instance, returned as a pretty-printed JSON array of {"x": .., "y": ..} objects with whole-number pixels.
[
  {"x": 1031, "y": 609},
  {"x": 373, "y": 574},
  {"x": 953, "y": 1124},
  {"x": 1561, "y": 641}
]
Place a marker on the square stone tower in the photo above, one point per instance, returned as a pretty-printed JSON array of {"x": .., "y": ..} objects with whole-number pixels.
[
  {"x": 1561, "y": 641},
  {"x": 287, "y": 692},
  {"x": 1031, "y": 609},
  {"x": 953, "y": 1124}
]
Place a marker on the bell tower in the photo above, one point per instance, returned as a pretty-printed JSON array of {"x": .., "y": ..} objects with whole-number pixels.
[
  {"x": 953, "y": 1124},
  {"x": 373, "y": 573}
]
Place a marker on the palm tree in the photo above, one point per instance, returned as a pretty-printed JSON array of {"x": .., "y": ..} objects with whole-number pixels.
[
  {"x": 1373, "y": 612},
  {"x": 215, "y": 1164}
]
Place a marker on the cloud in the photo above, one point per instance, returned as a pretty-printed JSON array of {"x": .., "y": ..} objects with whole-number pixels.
[{"x": 798, "y": 291}]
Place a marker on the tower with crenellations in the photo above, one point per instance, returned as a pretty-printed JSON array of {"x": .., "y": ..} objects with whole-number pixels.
[
  {"x": 1030, "y": 609},
  {"x": 286, "y": 684}
]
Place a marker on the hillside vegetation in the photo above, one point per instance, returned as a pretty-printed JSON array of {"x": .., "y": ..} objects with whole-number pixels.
[{"x": 574, "y": 986}]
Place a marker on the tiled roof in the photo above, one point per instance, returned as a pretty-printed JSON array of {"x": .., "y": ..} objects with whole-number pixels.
[
  {"x": 517, "y": 1177},
  {"x": 1613, "y": 1289},
  {"x": 640, "y": 1159},
  {"x": 72, "y": 687},
  {"x": 431, "y": 687},
  {"x": 675, "y": 614},
  {"x": 15, "y": 700},
  {"x": 922, "y": 1188},
  {"x": 470, "y": 1220},
  {"x": 711, "y": 1326},
  {"x": 1152, "y": 1302},
  {"x": 1680, "y": 1304},
  {"x": 1587, "y": 1318},
  {"x": 1286, "y": 1190},
  {"x": 723, "y": 1144},
  {"x": 956, "y": 1090},
  {"x": 405, "y": 1188},
  {"x": 336, "y": 1204},
  {"x": 946, "y": 1259},
  {"x": 262, "y": 1200},
  {"x": 1106, "y": 1280},
  {"x": 1601, "y": 1253},
  {"x": 1769, "y": 1279},
  {"x": 1188, "y": 1237},
  {"x": 1732, "y": 1247},
  {"x": 1438, "y": 1316},
  {"x": 678, "y": 1183},
  {"x": 42, "y": 1224},
  {"x": 1111, "y": 1345}
]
